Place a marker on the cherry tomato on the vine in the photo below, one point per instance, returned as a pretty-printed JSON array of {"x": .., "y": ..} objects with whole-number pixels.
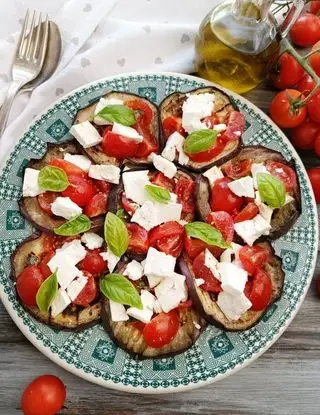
[
  {"x": 286, "y": 72},
  {"x": 306, "y": 30},
  {"x": 314, "y": 59},
  {"x": 314, "y": 107},
  {"x": 314, "y": 176},
  {"x": 303, "y": 136},
  {"x": 317, "y": 145},
  {"x": 286, "y": 109},
  {"x": 306, "y": 85}
]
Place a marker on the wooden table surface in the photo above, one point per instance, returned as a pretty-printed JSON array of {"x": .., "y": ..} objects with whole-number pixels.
[{"x": 285, "y": 380}]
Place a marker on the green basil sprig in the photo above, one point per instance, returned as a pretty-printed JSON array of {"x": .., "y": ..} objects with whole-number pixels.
[
  {"x": 118, "y": 113},
  {"x": 158, "y": 193},
  {"x": 116, "y": 234},
  {"x": 47, "y": 293},
  {"x": 272, "y": 190},
  {"x": 53, "y": 179},
  {"x": 74, "y": 226},
  {"x": 117, "y": 288},
  {"x": 206, "y": 233},
  {"x": 201, "y": 140}
]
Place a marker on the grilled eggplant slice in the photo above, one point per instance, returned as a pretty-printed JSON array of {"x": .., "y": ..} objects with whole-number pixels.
[
  {"x": 130, "y": 339},
  {"x": 74, "y": 317},
  {"x": 283, "y": 218},
  {"x": 205, "y": 302},
  {"x": 29, "y": 206},
  {"x": 96, "y": 153},
  {"x": 172, "y": 106}
]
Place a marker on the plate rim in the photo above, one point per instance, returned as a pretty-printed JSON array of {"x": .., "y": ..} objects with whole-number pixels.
[{"x": 200, "y": 383}]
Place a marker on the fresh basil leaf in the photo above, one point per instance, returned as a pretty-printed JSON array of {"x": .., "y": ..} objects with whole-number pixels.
[
  {"x": 272, "y": 190},
  {"x": 47, "y": 293},
  {"x": 117, "y": 288},
  {"x": 206, "y": 233},
  {"x": 78, "y": 224},
  {"x": 53, "y": 179},
  {"x": 199, "y": 141},
  {"x": 158, "y": 193},
  {"x": 118, "y": 113},
  {"x": 116, "y": 234}
]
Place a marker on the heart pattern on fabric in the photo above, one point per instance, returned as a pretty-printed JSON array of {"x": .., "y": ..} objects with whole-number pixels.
[
  {"x": 85, "y": 62},
  {"x": 87, "y": 8},
  {"x": 185, "y": 38},
  {"x": 75, "y": 41},
  {"x": 4, "y": 77},
  {"x": 59, "y": 91},
  {"x": 146, "y": 28},
  {"x": 158, "y": 60},
  {"x": 121, "y": 62}
]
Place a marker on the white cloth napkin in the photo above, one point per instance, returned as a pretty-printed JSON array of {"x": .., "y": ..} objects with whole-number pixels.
[{"x": 100, "y": 38}]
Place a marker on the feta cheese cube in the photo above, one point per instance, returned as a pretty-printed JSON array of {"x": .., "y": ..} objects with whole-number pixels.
[
  {"x": 212, "y": 263},
  {"x": 86, "y": 134},
  {"x": 104, "y": 102},
  {"x": 78, "y": 160},
  {"x": 106, "y": 172},
  {"x": 199, "y": 281},
  {"x": 65, "y": 207},
  {"x": 226, "y": 255},
  {"x": 251, "y": 230},
  {"x": 242, "y": 187},
  {"x": 233, "y": 307},
  {"x": 233, "y": 279},
  {"x": 157, "y": 307},
  {"x": 257, "y": 168},
  {"x": 118, "y": 312},
  {"x": 31, "y": 186},
  {"x": 111, "y": 258},
  {"x": 60, "y": 302},
  {"x": 288, "y": 199},
  {"x": 92, "y": 240},
  {"x": 168, "y": 212},
  {"x": 134, "y": 270},
  {"x": 128, "y": 132},
  {"x": 134, "y": 185},
  {"x": 146, "y": 313},
  {"x": 66, "y": 273},
  {"x": 170, "y": 292},
  {"x": 266, "y": 212},
  {"x": 153, "y": 281},
  {"x": 213, "y": 174},
  {"x": 76, "y": 286},
  {"x": 220, "y": 127},
  {"x": 146, "y": 215},
  {"x": 158, "y": 264},
  {"x": 164, "y": 165},
  {"x": 72, "y": 252},
  {"x": 196, "y": 107},
  {"x": 175, "y": 144}
]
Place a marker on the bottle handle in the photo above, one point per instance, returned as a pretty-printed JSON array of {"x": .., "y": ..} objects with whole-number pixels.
[{"x": 291, "y": 17}]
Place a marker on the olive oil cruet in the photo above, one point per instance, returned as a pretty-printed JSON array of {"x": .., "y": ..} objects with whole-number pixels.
[{"x": 237, "y": 40}]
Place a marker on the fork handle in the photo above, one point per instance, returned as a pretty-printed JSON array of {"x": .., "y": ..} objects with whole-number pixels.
[{"x": 7, "y": 104}]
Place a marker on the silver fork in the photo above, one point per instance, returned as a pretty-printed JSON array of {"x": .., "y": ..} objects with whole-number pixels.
[{"x": 27, "y": 62}]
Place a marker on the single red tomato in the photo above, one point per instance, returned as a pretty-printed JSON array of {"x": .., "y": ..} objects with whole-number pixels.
[
  {"x": 119, "y": 146},
  {"x": 149, "y": 144},
  {"x": 128, "y": 205},
  {"x": 93, "y": 263},
  {"x": 283, "y": 172},
  {"x": 88, "y": 293},
  {"x": 314, "y": 176},
  {"x": 306, "y": 30},
  {"x": 97, "y": 205},
  {"x": 235, "y": 126},
  {"x": 138, "y": 239},
  {"x": 45, "y": 201},
  {"x": 238, "y": 168},
  {"x": 223, "y": 222},
  {"x": 45, "y": 395},
  {"x": 185, "y": 191},
  {"x": 69, "y": 168},
  {"x": 143, "y": 111},
  {"x": 222, "y": 198},
  {"x": 159, "y": 179},
  {"x": 247, "y": 213},
  {"x": 28, "y": 284},
  {"x": 195, "y": 246},
  {"x": 161, "y": 330},
  {"x": 210, "y": 154},
  {"x": 314, "y": 59},
  {"x": 285, "y": 72},
  {"x": 286, "y": 109},
  {"x": 314, "y": 107},
  {"x": 261, "y": 290},
  {"x": 313, "y": 7},
  {"x": 43, "y": 265},
  {"x": 167, "y": 238},
  {"x": 303, "y": 136},
  {"x": 317, "y": 145},
  {"x": 171, "y": 245},
  {"x": 253, "y": 257},
  {"x": 305, "y": 85},
  {"x": 171, "y": 125},
  {"x": 211, "y": 283},
  {"x": 80, "y": 191}
]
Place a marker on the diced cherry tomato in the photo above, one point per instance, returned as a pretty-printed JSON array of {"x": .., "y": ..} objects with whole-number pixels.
[
  {"x": 247, "y": 213},
  {"x": 238, "y": 168},
  {"x": 88, "y": 293},
  {"x": 43, "y": 265},
  {"x": 93, "y": 263},
  {"x": 161, "y": 330},
  {"x": 210, "y": 121},
  {"x": 80, "y": 191},
  {"x": 185, "y": 304},
  {"x": 223, "y": 222},
  {"x": 222, "y": 198},
  {"x": 210, "y": 154},
  {"x": 261, "y": 290},
  {"x": 149, "y": 144},
  {"x": 69, "y": 168},
  {"x": 159, "y": 179},
  {"x": 145, "y": 110},
  {"x": 138, "y": 325},
  {"x": 171, "y": 125},
  {"x": 138, "y": 239},
  {"x": 253, "y": 257},
  {"x": 235, "y": 127},
  {"x": 171, "y": 245},
  {"x": 96, "y": 206},
  {"x": 185, "y": 191},
  {"x": 284, "y": 173},
  {"x": 195, "y": 246},
  {"x": 46, "y": 199},
  {"x": 305, "y": 85},
  {"x": 127, "y": 204},
  {"x": 28, "y": 284},
  {"x": 167, "y": 238},
  {"x": 102, "y": 186},
  {"x": 119, "y": 146},
  {"x": 211, "y": 284}
]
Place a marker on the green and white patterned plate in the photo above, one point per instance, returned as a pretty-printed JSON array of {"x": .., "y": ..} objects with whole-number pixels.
[{"x": 91, "y": 354}]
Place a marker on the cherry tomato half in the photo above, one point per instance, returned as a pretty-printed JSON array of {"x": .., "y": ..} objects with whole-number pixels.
[
  {"x": 260, "y": 290},
  {"x": 222, "y": 198},
  {"x": 253, "y": 257},
  {"x": 28, "y": 284},
  {"x": 238, "y": 168},
  {"x": 97, "y": 205},
  {"x": 69, "y": 168},
  {"x": 144, "y": 110},
  {"x": 303, "y": 136},
  {"x": 93, "y": 263},
  {"x": 167, "y": 238},
  {"x": 171, "y": 125},
  {"x": 223, "y": 222},
  {"x": 306, "y": 30},
  {"x": 80, "y": 191},
  {"x": 285, "y": 110},
  {"x": 161, "y": 330},
  {"x": 283, "y": 172},
  {"x": 159, "y": 179},
  {"x": 247, "y": 213},
  {"x": 286, "y": 72},
  {"x": 314, "y": 176},
  {"x": 138, "y": 239},
  {"x": 43, "y": 265},
  {"x": 235, "y": 127},
  {"x": 195, "y": 246},
  {"x": 185, "y": 191},
  {"x": 119, "y": 146},
  {"x": 88, "y": 293},
  {"x": 210, "y": 154},
  {"x": 46, "y": 199},
  {"x": 211, "y": 284}
]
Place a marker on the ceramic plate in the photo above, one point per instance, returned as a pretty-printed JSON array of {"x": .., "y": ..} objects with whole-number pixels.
[{"x": 91, "y": 354}]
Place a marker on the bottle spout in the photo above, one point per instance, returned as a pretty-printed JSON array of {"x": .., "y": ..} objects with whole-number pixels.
[{"x": 254, "y": 9}]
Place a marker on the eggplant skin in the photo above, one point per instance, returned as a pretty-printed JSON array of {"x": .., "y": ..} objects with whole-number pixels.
[
  {"x": 283, "y": 219},
  {"x": 96, "y": 153},
  {"x": 73, "y": 318},
  {"x": 172, "y": 106},
  {"x": 207, "y": 306}
]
